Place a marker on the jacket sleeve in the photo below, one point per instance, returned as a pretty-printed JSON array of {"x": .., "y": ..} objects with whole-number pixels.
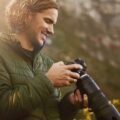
[
  {"x": 67, "y": 110},
  {"x": 17, "y": 101}
]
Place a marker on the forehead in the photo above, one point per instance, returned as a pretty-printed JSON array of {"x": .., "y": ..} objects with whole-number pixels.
[{"x": 51, "y": 13}]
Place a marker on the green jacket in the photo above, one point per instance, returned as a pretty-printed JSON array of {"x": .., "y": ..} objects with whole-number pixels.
[{"x": 25, "y": 92}]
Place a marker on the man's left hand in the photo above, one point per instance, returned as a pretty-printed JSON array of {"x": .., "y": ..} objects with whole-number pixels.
[{"x": 78, "y": 100}]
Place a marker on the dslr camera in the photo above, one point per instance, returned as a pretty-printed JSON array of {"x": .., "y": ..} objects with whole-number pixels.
[{"x": 97, "y": 100}]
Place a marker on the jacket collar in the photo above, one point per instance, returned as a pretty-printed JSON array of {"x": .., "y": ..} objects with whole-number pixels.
[{"x": 10, "y": 39}]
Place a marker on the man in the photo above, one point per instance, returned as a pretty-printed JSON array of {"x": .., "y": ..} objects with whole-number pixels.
[{"x": 29, "y": 80}]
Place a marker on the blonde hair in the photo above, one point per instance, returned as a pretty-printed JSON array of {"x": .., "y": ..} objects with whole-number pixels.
[{"x": 17, "y": 12}]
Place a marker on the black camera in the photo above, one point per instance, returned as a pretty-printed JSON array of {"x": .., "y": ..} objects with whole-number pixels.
[{"x": 97, "y": 100}]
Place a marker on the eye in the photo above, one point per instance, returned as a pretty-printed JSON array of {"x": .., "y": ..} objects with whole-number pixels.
[{"x": 48, "y": 20}]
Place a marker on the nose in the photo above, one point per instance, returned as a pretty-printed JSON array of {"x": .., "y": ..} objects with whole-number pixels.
[{"x": 51, "y": 30}]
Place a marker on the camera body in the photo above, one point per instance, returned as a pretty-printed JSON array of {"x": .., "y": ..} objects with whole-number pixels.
[{"x": 97, "y": 100}]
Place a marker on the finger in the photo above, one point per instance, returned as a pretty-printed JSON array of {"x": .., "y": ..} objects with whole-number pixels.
[
  {"x": 62, "y": 83},
  {"x": 76, "y": 99},
  {"x": 71, "y": 80},
  {"x": 78, "y": 94},
  {"x": 67, "y": 83},
  {"x": 85, "y": 100},
  {"x": 72, "y": 74},
  {"x": 74, "y": 66}
]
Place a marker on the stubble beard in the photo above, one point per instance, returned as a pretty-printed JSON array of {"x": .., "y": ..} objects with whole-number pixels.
[{"x": 32, "y": 37}]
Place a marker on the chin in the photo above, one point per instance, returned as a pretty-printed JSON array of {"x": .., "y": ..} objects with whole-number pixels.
[
  {"x": 40, "y": 41},
  {"x": 39, "y": 45}
]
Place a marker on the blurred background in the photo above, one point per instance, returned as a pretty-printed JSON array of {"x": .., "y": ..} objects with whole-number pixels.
[{"x": 89, "y": 29}]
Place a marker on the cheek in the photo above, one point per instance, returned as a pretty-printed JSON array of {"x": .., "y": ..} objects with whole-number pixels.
[
  {"x": 40, "y": 29},
  {"x": 42, "y": 25}
]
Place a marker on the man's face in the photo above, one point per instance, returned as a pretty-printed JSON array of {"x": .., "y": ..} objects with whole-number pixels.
[{"x": 41, "y": 26}]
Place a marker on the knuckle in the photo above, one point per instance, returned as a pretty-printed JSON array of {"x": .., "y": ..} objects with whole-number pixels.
[
  {"x": 67, "y": 73},
  {"x": 68, "y": 78}
]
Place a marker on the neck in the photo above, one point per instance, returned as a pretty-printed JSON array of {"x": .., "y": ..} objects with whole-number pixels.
[{"x": 24, "y": 41}]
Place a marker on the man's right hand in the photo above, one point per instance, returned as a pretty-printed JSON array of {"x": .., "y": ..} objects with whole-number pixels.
[{"x": 61, "y": 75}]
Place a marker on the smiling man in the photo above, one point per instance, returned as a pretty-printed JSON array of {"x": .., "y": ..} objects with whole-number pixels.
[{"x": 29, "y": 80}]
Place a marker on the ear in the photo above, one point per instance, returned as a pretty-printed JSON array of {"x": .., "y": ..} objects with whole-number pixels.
[{"x": 30, "y": 17}]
